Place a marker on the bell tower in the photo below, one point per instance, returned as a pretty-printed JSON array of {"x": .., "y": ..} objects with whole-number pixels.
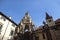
[
  {"x": 51, "y": 26},
  {"x": 26, "y": 24},
  {"x": 49, "y": 20}
]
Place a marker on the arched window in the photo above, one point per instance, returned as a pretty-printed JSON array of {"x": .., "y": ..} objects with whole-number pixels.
[{"x": 26, "y": 28}]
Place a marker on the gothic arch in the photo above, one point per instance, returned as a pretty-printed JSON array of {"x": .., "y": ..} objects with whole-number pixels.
[{"x": 26, "y": 28}]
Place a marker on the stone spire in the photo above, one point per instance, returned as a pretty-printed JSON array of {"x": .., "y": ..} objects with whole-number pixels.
[
  {"x": 48, "y": 16},
  {"x": 26, "y": 13}
]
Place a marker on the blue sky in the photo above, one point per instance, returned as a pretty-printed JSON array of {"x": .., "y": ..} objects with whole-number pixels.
[{"x": 36, "y": 8}]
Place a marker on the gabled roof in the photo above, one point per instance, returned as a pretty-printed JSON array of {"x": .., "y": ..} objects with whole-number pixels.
[{"x": 57, "y": 22}]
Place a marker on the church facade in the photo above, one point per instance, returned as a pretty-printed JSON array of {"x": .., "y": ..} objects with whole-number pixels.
[{"x": 49, "y": 31}]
